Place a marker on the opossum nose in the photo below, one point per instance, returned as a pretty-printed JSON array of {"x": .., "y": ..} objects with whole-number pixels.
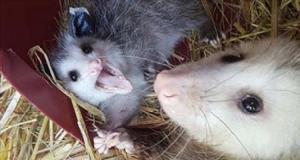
[
  {"x": 95, "y": 67},
  {"x": 167, "y": 97},
  {"x": 166, "y": 89}
]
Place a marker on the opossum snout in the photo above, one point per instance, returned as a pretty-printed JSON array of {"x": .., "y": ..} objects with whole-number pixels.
[
  {"x": 166, "y": 88},
  {"x": 95, "y": 67}
]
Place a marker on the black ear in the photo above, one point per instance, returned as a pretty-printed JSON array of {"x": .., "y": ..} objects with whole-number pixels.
[{"x": 80, "y": 22}]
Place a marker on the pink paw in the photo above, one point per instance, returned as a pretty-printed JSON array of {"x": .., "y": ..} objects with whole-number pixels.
[{"x": 106, "y": 140}]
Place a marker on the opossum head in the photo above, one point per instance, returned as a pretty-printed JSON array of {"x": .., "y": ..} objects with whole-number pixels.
[
  {"x": 244, "y": 101},
  {"x": 92, "y": 68}
]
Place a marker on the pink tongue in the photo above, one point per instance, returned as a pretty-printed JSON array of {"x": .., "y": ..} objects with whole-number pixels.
[{"x": 114, "y": 81}]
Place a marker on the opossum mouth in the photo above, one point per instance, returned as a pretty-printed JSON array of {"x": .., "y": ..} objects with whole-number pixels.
[{"x": 112, "y": 80}]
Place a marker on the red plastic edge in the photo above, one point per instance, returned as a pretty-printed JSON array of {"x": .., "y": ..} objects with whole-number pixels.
[{"x": 50, "y": 101}]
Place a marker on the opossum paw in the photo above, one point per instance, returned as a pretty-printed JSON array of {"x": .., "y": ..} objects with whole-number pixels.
[
  {"x": 101, "y": 141},
  {"x": 213, "y": 37},
  {"x": 123, "y": 142},
  {"x": 106, "y": 140}
]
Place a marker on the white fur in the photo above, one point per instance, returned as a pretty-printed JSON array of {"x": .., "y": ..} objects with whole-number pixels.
[
  {"x": 208, "y": 93},
  {"x": 84, "y": 88}
]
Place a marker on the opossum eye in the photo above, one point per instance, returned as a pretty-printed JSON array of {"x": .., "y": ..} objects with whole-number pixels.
[
  {"x": 73, "y": 75},
  {"x": 87, "y": 49},
  {"x": 251, "y": 104},
  {"x": 232, "y": 58}
]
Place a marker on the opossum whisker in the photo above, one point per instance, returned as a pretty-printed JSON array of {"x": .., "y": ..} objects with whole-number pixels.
[
  {"x": 205, "y": 117},
  {"x": 148, "y": 60},
  {"x": 227, "y": 100},
  {"x": 95, "y": 56},
  {"x": 183, "y": 147},
  {"x": 170, "y": 65},
  {"x": 156, "y": 55},
  {"x": 269, "y": 47},
  {"x": 134, "y": 57},
  {"x": 208, "y": 96},
  {"x": 151, "y": 82},
  {"x": 157, "y": 143},
  {"x": 279, "y": 75},
  {"x": 281, "y": 90},
  {"x": 166, "y": 149},
  {"x": 145, "y": 59},
  {"x": 142, "y": 90},
  {"x": 147, "y": 51},
  {"x": 206, "y": 124},
  {"x": 147, "y": 88},
  {"x": 152, "y": 69},
  {"x": 232, "y": 134},
  {"x": 225, "y": 80}
]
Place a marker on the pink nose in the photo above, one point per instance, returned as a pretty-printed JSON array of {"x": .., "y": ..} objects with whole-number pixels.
[
  {"x": 167, "y": 89},
  {"x": 95, "y": 67}
]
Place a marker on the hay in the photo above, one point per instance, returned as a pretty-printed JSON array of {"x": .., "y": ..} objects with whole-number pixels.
[{"x": 27, "y": 134}]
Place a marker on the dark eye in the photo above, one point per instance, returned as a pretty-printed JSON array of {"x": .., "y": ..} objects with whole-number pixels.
[
  {"x": 87, "y": 49},
  {"x": 251, "y": 104},
  {"x": 73, "y": 75},
  {"x": 232, "y": 58}
]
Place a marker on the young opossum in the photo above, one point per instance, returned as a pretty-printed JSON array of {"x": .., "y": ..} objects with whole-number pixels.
[
  {"x": 108, "y": 48},
  {"x": 242, "y": 102}
]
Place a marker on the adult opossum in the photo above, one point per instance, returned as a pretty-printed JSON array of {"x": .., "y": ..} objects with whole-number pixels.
[{"x": 243, "y": 102}]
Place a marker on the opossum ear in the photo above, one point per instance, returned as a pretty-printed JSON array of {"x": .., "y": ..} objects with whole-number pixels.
[{"x": 80, "y": 22}]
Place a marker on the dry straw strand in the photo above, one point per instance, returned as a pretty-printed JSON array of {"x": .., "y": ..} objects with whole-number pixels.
[{"x": 83, "y": 130}]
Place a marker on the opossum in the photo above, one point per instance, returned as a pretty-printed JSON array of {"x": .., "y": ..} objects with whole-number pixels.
[
  {"x": 111, "y": 50},
  {"x": 243, "y": 102}
]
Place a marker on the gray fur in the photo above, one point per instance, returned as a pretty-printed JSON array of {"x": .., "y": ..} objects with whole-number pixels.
[
  {"x": 139, "y": 36},
  {"x": 147, "y": 31}
]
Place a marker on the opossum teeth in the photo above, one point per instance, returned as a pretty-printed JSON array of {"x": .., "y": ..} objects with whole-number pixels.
[
  {"x": 107, "y": 87},
  {"x": 111, "y": 71}
]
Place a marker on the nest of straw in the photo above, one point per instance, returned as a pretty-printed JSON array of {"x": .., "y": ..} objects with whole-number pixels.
[{"x": 25, "y": 133}]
